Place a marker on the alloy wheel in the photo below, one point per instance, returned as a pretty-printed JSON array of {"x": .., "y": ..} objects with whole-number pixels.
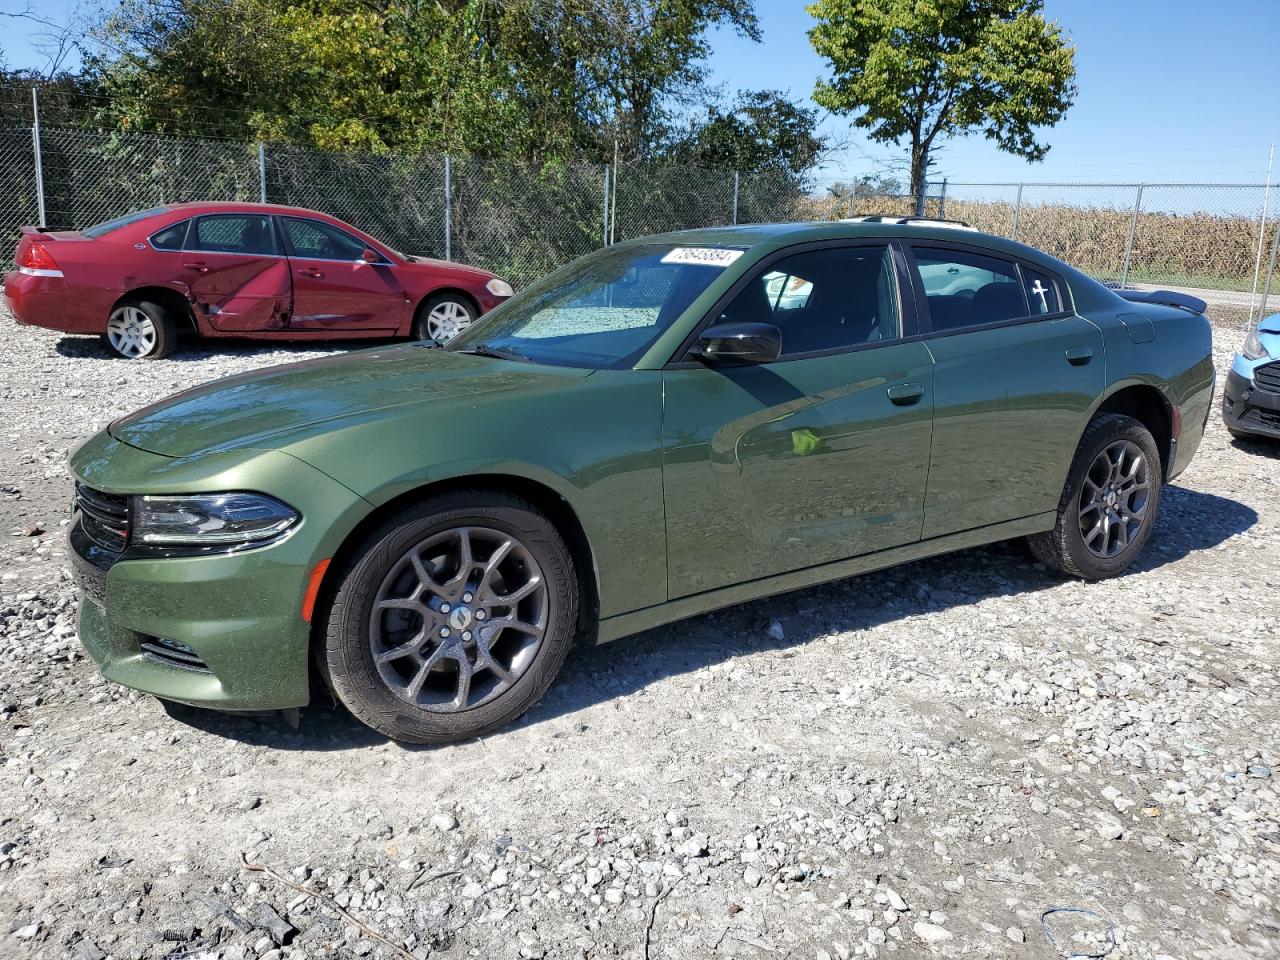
[
  {"x": 446, "y": 320},
  {"x": 458, "y": 619},
  {"x": 131, "y": 332},
  {"x": 1114, "y": 498}
]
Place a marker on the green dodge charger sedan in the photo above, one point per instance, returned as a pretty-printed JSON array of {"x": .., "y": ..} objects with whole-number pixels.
[{"x": 661, "y": 428}]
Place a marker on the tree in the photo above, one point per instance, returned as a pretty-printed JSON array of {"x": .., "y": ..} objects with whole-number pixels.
[
  {"x": 539, "y": 80},
  {"x": 759, "y": 130},
  {"x": 920, "y": 71}
]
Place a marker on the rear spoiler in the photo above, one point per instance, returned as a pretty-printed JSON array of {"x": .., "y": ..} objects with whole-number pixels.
[
  {"x": 42, "y": 232},
  {"x": 1165, "y": 298}
]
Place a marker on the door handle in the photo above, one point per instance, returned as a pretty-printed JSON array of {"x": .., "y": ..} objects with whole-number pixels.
[
  {"x": 1079, "y": 356},
  {"x": 905, "y": 394},
  {"x": 314, "y": 274},
  {"x": 198, "y": 266}
]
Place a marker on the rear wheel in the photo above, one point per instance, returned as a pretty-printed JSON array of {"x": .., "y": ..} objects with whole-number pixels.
[
  {"x": 141, "y": 330},
  {"x": 452, "y": 619},
  {"x": 1109, "y": 503},
  {"x": 443, "y": 317}
]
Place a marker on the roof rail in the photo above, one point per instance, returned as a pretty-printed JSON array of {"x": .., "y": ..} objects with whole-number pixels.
[{"x": 922, "y": 221}]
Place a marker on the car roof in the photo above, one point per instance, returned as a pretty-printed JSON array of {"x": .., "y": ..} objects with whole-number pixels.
[
  {"x": 763, "y": 238},
  {"x": 240, "y": 206}
]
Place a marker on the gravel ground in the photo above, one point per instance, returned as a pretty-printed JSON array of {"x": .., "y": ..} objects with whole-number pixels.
[{"x": 963, "y": 757}]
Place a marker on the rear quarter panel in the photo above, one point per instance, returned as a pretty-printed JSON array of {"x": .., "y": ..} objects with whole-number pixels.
[{"x": 1169, "y": 349}]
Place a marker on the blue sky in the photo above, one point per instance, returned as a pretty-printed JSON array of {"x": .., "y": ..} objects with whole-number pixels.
[{"x": 1169, "y": 90}]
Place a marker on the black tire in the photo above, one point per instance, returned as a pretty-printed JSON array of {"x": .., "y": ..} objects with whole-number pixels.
[
  {"x": 1063, "y": 548},
  {"x": 165, "y": 328},
  {"x": 344, "y": 631},
  {"x": 423, "y": 323}
]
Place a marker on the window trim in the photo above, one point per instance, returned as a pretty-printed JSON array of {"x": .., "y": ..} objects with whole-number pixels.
[
  {"x": 151, "y": 240},
  {"x": 927, "y": 332},
  {"x": 908, "y": 315},
  {"x": 193, "y": 234},
  {"x": 294, "y": 255}
]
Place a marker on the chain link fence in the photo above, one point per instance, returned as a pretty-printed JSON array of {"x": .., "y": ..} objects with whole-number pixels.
[{"x": 521, "y": 220}]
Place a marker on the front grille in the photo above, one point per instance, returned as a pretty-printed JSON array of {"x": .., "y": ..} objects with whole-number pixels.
[
  {"x": 1262, "y": 418},
  {"x": 104, "y": 517},
  {"x": 171, "y": 652},
  {"x": 1268, "y": 377}
]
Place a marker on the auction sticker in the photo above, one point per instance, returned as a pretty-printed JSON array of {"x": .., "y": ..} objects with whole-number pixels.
[{"x": 702, "y": 256}]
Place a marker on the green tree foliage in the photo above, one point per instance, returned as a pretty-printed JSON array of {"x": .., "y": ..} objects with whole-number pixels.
[
  {"x": 921, "y": 70},
  {"x": 759, "y": 131},
  {"x": 535, "y": 79}
]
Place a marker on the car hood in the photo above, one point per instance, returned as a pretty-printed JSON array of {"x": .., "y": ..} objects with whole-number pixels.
[
  {"x": 265, "y": 409},
  {"x": 1269, "y": 324}
]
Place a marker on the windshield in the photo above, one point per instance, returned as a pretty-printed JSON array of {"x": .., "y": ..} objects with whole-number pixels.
[
  {"x": 98, "y": 229},
  {"x": 603, "y": 311}
]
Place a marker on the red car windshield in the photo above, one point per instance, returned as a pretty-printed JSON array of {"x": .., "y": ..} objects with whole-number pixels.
[{"x": 100, "y": 229}]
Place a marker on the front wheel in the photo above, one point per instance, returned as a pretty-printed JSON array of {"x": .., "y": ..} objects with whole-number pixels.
[
  {"x": 1109, "y": 504},
  {"x": 443, "y": 317},
  {"x": 141, "y": 330},
  {"x": 451, "y": 619}
]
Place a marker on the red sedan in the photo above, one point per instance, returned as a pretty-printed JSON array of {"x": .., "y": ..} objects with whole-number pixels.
[{"x": 237, "y": 270}]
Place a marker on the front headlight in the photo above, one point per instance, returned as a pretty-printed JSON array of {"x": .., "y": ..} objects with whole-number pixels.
[
  {"x": 1253, "y": 348},
  {"x": 215, "y": 519},
  {"x": 499, "y": 288}
]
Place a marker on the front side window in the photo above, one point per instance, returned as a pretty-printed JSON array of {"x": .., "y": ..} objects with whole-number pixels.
[
  {"x": 321, "y": 241},
  {"x": 249, "y": 233},
  {"x": 602, "y": 311},
  {"x": 824, "y": 299},
  {"x": 969, "y": 289}
]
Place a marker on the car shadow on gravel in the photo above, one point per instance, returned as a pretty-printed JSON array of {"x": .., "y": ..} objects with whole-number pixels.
[
  {"x": 193, "y": 349},
  {"x": 1262, "y": 447},
  {"x": 1190, "y": 521}
]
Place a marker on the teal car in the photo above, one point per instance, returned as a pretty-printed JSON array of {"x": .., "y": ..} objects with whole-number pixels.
[
  {"x": 1251, "y": 397},
  {"x": 661, "y": 428}
]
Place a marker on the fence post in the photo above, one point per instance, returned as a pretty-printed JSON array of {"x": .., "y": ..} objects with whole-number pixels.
[
  {"x": 604, "y": 224},
  {"x": 1262, "y": 230},
  {"x": 1017, "y": 213},
  {"x": 853, "y": 199},
  {"x": 35, "y": 146},
  {"x": 448, "y": 210},
  {"x": 735, "y": 198},
  {"x": 613, "y": 209},
  {"x": 1271, "y": 269},
  {"x": 1133, "y": 232},
  {"x": 942, "y": 201},
  {"x": 262, "y": 172}
]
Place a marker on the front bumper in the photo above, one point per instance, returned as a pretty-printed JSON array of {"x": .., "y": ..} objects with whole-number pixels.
[
  {"x": 238, "y": 615},
  {"x": 1246, "y": 408}
]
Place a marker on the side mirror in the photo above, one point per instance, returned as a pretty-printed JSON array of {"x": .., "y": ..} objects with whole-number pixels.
[
  {"x": 369, "y": 255},
  {"x": 728, "y": 343}
]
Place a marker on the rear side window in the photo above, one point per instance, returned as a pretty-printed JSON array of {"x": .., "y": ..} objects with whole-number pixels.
[
  {"x": 1042, "y": 292},
  {"x": 321, "y": 241},
  {"x": 824, "y": 299},
  {"x": 171, "y": 238},
  {"x": 968, "y": 289},
  {"x": 234, "y": 233},
  {"x": 100, "y": 229}
]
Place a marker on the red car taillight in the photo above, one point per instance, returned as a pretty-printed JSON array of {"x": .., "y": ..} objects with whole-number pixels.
[{"x": 35, "y": 258}]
